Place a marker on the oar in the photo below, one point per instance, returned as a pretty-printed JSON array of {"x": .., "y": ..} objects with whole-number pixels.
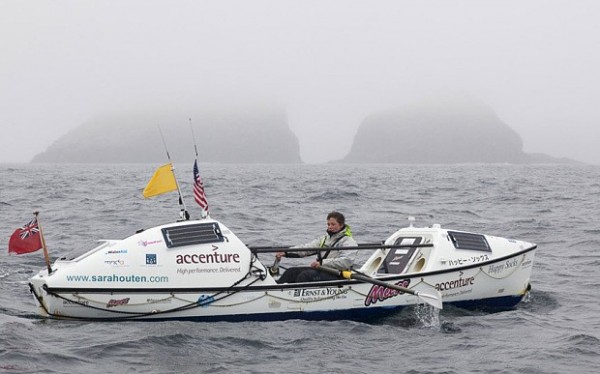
[
  {"x": 359, "y": 247},
  {"x": 434, "y": 298}
]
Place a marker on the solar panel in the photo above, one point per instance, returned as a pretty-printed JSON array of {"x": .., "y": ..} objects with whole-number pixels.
[
  {"x": 200, "y": 233},
  {"x": 463, "y": 240}
]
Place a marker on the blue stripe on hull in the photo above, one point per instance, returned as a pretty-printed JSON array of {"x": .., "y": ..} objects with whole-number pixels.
[
  {"x": 358, "y": 314},
  {"x": 492, "y": 304}
]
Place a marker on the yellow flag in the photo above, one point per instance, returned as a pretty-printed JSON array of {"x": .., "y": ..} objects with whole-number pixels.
[{"x": 162, "y": 181}]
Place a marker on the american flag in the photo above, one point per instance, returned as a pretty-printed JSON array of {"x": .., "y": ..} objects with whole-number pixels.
[
  {"x": 199, "y": 194},
  {"x": 29, "y": 229}
]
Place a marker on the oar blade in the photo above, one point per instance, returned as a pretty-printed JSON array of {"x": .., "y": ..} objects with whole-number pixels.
[
  {"x": 428, "y": 294},
  {"x": 431, "y": 299}
]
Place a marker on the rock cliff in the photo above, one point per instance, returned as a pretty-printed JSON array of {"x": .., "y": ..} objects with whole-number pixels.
[
  {"x": 235, "y": 137},
  {"x": 441, "y": 131}
]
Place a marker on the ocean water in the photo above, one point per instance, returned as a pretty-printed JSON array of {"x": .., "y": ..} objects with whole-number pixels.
[{"x": 556, "y": 329}]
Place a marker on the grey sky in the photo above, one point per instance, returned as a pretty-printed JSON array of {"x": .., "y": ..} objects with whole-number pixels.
[{"x": 329, "y": 63}]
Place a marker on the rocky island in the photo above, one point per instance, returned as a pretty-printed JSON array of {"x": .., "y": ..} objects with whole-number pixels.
[
  {"x": 440, "y": 131},
  {"x": 437, "y": 131},
  {"x": 236, "y": 136}
]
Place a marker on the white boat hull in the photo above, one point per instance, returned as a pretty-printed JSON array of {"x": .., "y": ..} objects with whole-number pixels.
[{"x": 498, "y": 283}]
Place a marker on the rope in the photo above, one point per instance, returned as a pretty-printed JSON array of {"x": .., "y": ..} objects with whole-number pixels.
[{"x": 252, "y": 270}]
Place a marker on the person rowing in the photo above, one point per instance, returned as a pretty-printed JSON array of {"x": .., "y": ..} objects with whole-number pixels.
[{"x": 338, "y": 235}]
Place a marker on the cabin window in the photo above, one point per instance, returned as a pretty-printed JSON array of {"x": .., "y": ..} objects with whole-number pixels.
[
  {"x": 464, "y": 240},
  {"x": 201, "y": 233}
]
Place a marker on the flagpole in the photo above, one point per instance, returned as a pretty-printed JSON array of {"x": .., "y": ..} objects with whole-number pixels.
[
  {"x": 184, "y": 213},
  {"x": 36, "y": 214},
  {"x": 204, "y": 212}
]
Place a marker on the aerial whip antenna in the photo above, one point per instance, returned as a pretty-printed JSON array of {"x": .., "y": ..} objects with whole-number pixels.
[
  {"x": 184, "y": 215},
  {"x": 194, "y": 138}
]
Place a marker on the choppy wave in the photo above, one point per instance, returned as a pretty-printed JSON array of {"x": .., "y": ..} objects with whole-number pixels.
[{"x": 555, "y": 206}]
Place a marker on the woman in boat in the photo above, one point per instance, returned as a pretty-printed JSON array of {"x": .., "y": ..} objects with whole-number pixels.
[{"x": 338, "y": 235}]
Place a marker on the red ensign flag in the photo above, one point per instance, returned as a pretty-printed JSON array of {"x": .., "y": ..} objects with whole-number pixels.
[{"x": 26, "y": 239}]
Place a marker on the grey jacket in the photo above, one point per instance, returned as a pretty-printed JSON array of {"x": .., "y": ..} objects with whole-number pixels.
[{"x": 336, "y": 259}]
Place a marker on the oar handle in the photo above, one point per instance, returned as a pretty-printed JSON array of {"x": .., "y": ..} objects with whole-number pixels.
[{"x": 274, "y": 269}]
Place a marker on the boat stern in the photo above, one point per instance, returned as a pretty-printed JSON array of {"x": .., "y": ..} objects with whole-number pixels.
[{"x": 37, "y": 285}]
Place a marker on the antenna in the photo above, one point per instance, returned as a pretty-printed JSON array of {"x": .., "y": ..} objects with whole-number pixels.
[
  {"x": 194, "y": 138},
  {"x": 183, "y": 214}
]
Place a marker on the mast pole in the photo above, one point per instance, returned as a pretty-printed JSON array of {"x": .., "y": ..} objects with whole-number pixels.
[
  {"x": 46, "y": 256},
  {"x": 183, "y": 213},
  {"x": 204, "y": 212}
]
